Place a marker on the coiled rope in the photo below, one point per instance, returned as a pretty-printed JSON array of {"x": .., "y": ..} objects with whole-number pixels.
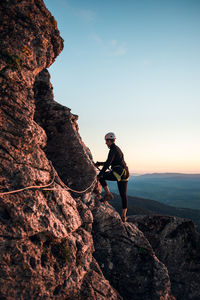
[{"x": 45, "y": 187}]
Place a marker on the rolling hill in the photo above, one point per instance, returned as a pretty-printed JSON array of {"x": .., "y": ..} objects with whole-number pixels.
[{"x": 141, "y": 206}]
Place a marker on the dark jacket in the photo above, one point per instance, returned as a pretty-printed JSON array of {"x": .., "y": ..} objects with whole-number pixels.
[{"x": 115, "y": 160}]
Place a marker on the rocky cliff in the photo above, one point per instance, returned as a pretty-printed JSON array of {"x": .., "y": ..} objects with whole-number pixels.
[
  {"x": 46, "y": 250},
  {"x": 56, "y": 240}
]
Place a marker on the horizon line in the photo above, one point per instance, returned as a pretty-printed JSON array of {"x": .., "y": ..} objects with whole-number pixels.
[{"x": 167, "y": 172}]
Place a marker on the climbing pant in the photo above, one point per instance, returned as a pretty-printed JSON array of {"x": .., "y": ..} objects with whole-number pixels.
[{"x": 122, "y": 187}]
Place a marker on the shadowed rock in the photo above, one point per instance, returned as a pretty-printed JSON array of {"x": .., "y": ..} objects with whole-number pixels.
[
  {"x": 65, "y": 147},
  {"x": 177, "y": 245},
  {"x": 127, "y": 258}
]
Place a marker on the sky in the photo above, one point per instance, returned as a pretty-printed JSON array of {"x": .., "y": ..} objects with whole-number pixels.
[{"x": 133, "y": 68}]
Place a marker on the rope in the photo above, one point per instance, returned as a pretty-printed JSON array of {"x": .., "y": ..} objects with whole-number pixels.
[
  {"x": 31, "y": 187},
  {"x": 44, "y": 187},
  {"x": 83, "y": 191},
  {"x": 75, "y": 191},
  {"x": 69, "y": 189}
]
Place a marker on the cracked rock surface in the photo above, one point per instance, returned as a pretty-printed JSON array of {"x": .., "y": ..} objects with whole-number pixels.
[
  {"x": 127, "y": 258},
  {"x": 46, "y": 244}
]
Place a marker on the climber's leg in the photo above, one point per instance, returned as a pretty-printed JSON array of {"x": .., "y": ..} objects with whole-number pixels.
[{"x": 122, "y": 186}]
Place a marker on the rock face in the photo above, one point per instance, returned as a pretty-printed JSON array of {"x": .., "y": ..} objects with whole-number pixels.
[
  {"x": 177, "y": 245},
  {"x": 127, "y": 259},
  {"x": 30, "y": 42},
  {"x": 65, "y": 149},
  {"x": 46, "y": 244}
]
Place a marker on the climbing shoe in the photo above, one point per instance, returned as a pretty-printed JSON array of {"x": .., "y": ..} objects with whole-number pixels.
[{"x": 124, "y": 219}]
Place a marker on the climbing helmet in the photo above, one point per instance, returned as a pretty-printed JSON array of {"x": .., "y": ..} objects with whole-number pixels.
[{"x": 110, "y": 136}]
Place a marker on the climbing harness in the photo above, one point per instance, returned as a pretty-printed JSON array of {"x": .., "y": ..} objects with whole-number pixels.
[
  {"x": 45, "y": 187},
  {"x": 119, "y": 176},
  {"x": 116, "y": 174}
]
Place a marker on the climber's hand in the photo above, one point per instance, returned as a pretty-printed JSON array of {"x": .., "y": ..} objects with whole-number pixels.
[{"x": 97, "y": 164}]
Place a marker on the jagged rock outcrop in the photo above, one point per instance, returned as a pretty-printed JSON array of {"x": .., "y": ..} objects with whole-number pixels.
[
  {"x": 30, "y": 42},
  {"x": 65, "y": 148},
  {"x": 127, "y": 258},
  {"x": 46, "y": 244},
  {"x": 177, "y": 245}
]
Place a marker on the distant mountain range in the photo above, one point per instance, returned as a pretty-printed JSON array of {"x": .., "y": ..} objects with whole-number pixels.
[
  {"x": 140, "y": 206},
  {"x": 168, "y": 175},
  {"x": 175, "y": 189}
]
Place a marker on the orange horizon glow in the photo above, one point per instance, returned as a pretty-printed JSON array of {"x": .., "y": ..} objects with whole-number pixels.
[
  {"x": 174, "y": 168},
  {"x": 141, "y": 172}
]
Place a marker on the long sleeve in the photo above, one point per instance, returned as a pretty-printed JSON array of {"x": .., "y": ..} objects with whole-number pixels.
[
  {"x": 111, "y": 156},
  {"x": 100, "y": 163}
]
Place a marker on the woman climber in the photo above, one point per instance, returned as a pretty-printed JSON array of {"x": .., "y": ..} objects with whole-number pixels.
[{"x": 119, "y": 172}]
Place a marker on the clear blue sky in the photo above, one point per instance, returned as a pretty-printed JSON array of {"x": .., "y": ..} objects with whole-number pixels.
[{"x": 133, "y": 67}]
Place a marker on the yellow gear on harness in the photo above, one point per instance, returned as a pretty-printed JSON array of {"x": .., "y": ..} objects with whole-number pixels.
[{"x": 119, "y": 176}]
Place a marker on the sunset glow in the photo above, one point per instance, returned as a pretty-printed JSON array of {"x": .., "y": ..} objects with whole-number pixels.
[{"x": 132, "y": 67}]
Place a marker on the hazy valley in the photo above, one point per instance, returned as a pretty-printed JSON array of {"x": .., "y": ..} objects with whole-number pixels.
[{"x": 179, "y": 190}]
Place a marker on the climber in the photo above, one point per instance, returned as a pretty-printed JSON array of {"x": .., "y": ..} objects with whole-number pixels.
[{"x": 119, "y": 172}]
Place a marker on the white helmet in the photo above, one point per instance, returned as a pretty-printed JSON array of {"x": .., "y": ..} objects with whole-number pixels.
[{"x": 110, "y": 136}]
